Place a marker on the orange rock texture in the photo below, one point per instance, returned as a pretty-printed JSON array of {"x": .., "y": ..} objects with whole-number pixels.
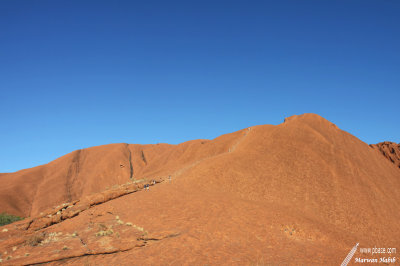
[
  {"x": 300, "y": 193},
  {"x": 390, "y": 150}
]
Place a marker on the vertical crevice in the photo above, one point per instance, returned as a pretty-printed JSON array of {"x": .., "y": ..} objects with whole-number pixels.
[
  {"x": 72, "y": 175},
  {"x": 130, "y": 162},
  {"x": 144, "y": 158}
]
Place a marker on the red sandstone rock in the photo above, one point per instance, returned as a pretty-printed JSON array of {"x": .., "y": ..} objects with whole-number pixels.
[
  {"x": 390, "y": 150},
  {"x": 301, "y": 193}
]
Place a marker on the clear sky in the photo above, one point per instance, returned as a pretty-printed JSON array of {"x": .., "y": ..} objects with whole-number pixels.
[{"x": 75, "y": 74}]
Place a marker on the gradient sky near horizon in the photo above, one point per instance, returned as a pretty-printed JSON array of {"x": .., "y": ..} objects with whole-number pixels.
[{"x": 75, "y": 74}]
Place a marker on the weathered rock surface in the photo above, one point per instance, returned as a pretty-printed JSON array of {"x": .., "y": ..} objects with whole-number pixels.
[
  {"x": 300, "y": 193},
  {"x": 390, "y": 150},
  {"x": 43, "y": 239}
]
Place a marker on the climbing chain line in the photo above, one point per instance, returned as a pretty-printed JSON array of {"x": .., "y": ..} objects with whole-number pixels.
[{"x": 184, "y": 169}]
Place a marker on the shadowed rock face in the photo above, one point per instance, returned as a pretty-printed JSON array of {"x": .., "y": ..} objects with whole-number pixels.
[
  {"x": 302, "y": 192},
  {"x": 390, "y": 150}
]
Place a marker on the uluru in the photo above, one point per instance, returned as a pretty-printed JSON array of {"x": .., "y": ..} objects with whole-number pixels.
[
  {"x": 199, "y": 133},
  {"x": 301, "y": 192}
]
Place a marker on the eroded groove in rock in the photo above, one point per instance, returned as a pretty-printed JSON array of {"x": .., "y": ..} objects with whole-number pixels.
[
  {"x": 144, "y": 157},
  {"x": 72, "y": 175},
  {"x": 80, "y": 256},
  {"x": 130, "y": 163}
]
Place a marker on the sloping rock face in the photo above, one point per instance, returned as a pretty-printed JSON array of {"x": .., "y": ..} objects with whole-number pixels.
[
  {"x": 59, "y": 234},
  {"x": 28, "y": 192},
  {"x": 302, "y": 193},
  {"x": 390, "y": 150}
]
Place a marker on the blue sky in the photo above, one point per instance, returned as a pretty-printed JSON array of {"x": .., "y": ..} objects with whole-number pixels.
[{"x": 75, "y": 74}]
